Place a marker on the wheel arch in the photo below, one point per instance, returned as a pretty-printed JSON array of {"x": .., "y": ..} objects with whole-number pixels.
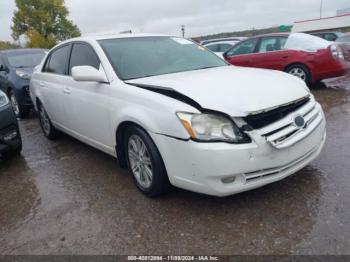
[
  {"x": 302, "y": 64},
  {"x": 120, "y": 136}
]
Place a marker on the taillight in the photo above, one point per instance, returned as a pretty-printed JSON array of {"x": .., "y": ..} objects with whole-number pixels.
[{"x": 337, "y": 53}]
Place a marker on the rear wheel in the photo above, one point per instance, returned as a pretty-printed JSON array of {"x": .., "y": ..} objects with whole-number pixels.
[
  {"x": 301, "y": 72},
  {"x": 46, "y": 125},
  {"x": 17, "y": 108},
  {"x": 145, "y": 163}
]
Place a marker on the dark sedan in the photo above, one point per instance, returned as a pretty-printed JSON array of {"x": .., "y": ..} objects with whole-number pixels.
[
  {"x": 10, "y": 138},
  {"x": 16, "y": 67}
]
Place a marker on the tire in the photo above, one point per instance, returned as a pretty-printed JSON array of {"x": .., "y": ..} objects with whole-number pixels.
[
  {"x": 300, "y": 71},
  {"x": 145, "y": 163},
  {"x": 20, "y": 112},
  {"x": 46, "y": 125}
]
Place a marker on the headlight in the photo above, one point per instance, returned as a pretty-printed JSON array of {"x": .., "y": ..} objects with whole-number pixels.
[
  {"x": 211, "y": 127},
  {"x": 3, "y": 99},
  {"x": 22, "y": 74}
]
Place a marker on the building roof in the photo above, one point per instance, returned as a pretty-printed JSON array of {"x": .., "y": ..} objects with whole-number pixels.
[{"x": 326, "y": 23}]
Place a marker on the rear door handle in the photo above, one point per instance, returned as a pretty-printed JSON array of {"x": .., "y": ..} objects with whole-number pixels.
[
  {"x": 66, "y": 91},
  {"x": 41, "y": 84}
]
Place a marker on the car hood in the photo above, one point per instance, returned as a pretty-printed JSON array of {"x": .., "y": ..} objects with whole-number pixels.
[
  {"x": 236, "y": 91},
  {"x": 28, "y": 70}
]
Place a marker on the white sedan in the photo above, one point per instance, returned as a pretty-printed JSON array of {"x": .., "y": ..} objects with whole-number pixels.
[{"x": 176, "y": 114}]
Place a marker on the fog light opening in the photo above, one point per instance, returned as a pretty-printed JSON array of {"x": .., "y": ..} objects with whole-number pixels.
[
  {"x": 228, "y": 180},
  {"x": 11, "y": 135}
]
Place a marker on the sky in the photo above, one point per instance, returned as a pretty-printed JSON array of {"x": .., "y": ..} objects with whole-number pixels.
[{"x": 201, "y": 17}]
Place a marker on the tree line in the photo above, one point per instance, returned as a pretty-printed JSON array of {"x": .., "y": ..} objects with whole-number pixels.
[{"x": 43, "y": 23}]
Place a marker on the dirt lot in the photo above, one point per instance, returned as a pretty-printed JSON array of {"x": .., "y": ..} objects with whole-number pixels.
[{"x": 64, "y": 197}]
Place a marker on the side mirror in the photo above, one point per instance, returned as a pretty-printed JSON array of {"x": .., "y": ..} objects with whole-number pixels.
[
  {"x": 2, "y": 67},
  {"x": 89, "y": 74}
]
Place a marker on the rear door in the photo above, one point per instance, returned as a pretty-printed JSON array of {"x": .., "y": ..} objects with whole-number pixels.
[
  {"x": 243, "y": 53},
  {"x": 271, "y": 53},
  {"x": 52, "y": 83}
]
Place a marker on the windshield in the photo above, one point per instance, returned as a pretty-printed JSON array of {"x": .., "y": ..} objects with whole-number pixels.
[
  {"x": 139, "y": 57},
  {"x": 21, "y": 59}
]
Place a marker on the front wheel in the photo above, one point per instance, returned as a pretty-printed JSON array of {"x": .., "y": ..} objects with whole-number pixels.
[
  {"x": 301, "y": 72},
  {"x": 20, "y": 112},
  {"x": 145, "y": 163}
]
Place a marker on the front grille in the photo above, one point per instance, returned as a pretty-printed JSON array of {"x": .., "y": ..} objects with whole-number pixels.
[
  {"x": 264, "y": 119},
  {"x": 284, "y": 133}
]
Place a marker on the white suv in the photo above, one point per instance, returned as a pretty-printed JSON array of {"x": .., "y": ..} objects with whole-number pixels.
[{"x": 174, "y": 113}]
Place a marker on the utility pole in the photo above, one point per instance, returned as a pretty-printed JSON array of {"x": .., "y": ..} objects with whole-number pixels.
[
  {"x": 321, "y": 8},
  {"x": 183, "y": 30}
]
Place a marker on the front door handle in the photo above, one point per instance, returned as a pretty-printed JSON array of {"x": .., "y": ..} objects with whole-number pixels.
[
  {"x": 41, "y": 84},
  {"x": 66, "y": 91}
]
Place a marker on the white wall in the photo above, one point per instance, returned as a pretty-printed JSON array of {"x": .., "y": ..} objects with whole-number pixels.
[{"x": 330, "y": 23}]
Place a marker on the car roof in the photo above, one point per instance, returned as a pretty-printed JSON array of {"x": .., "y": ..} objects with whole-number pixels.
[
  {"x": 326, "y": 32},
  {"x": 22, "y": 50},
  {"x": 233, "y": 38},
  {"x": 97, "y": 37}
]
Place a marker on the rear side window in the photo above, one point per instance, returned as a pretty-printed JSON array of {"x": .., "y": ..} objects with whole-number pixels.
[
  {"x": 57, "y": 62},
  {"x": 224, "y": 47},
  {"x": 246, "y": 47},
  {"x": 330, "y": 37},
  {"x": 83, "y": 55},
  {"x": 213, "y": 48}
]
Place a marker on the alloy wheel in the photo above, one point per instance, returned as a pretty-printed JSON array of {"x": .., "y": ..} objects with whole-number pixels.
[
  {"x": 298, "y": 72},
  {"x": 45, "y": 121},
  {"x": 140, "y": 161}
]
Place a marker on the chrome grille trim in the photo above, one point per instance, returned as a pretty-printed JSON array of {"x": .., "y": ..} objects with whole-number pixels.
[{"x": 285, "y": 133}]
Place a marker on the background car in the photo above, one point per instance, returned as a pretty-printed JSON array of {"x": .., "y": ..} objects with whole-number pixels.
[
  {"x": 268, "y": 51},
  {"x": 10, "y": 138},
  {"x": 329, "y": 36},
  {"x": 16, "y": 68},
  {"x": 220, "y": 46},
  {"x": 344, "y": 39}
]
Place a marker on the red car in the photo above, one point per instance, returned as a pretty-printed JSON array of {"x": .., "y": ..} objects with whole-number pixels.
[{"x": 267, "y": 51}]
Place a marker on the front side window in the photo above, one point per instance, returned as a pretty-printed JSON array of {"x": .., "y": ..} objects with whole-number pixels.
[
  {"x": 138, "y": 57},
  {"x": 57, "y": 62},
  {"x": 246, "y": 47},
  {"x": 23, "y": 60},
  {"x": 83, "y": 55},
  {"x": 269, "y": 44}
]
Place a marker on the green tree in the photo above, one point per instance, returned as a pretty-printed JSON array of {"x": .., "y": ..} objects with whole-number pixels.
[
  {"x": 7, "y": 45},
  {"x": 43, "y": 22}
]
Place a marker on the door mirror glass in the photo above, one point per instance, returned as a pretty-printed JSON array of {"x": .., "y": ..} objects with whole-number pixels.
[{"x": 88, "y": 74}]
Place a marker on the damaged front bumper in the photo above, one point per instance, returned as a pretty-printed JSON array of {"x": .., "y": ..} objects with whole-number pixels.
[{"x": 222, "y": 169}]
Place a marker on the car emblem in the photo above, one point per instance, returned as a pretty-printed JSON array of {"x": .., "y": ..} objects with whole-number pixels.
[{"x": 299, "y": 121}]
